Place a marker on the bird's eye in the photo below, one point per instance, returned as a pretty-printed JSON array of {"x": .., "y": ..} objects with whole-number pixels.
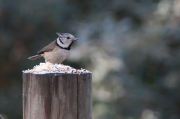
[{"x": 68, "y": 37}]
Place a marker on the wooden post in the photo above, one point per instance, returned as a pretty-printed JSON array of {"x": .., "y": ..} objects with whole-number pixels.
[{"x": 57, "y": 96}]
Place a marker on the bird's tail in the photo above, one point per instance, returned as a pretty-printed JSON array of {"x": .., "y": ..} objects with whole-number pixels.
[{"x": 34, "y": 57}]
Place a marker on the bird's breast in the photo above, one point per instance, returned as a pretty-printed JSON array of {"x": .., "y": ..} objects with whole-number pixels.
[{"x": 58, "y": 55}]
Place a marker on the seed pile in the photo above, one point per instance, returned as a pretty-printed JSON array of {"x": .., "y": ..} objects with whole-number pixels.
[{"x": 47, "y": 67}]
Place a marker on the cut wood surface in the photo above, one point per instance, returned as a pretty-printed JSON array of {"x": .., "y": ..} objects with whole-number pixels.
[{"x": 57, "y": 96}]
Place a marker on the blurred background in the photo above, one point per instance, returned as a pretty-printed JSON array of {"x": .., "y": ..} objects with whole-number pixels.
[{"x": 131, "y": 46}]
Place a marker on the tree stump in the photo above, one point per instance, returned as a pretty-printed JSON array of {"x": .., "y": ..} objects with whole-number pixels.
[{"x": 57, "y": 96}]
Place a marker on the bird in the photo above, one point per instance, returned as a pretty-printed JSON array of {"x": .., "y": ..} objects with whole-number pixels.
[{"x": 58, "y": 50}]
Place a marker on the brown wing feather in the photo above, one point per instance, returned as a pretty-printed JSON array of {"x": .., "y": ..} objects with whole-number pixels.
[{"x": 48, "y": 48}]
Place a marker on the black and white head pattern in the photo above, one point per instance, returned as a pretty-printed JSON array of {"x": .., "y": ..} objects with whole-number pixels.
[{"x": 65, "y": 40}]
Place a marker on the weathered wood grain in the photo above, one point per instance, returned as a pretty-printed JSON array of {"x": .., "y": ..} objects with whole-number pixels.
[
  {"x": 56, "y": 96},
  {"x": 84, "y": 97}
]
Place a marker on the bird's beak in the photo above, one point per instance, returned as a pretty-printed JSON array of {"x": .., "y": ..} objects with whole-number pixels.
[{"x": 75, "y": 39}]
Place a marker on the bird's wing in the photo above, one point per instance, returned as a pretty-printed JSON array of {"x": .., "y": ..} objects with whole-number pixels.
[{"x": 48, "y": 48}]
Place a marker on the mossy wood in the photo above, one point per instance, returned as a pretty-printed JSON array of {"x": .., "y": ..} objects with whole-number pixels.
[{"x": 57, "y": 96}]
